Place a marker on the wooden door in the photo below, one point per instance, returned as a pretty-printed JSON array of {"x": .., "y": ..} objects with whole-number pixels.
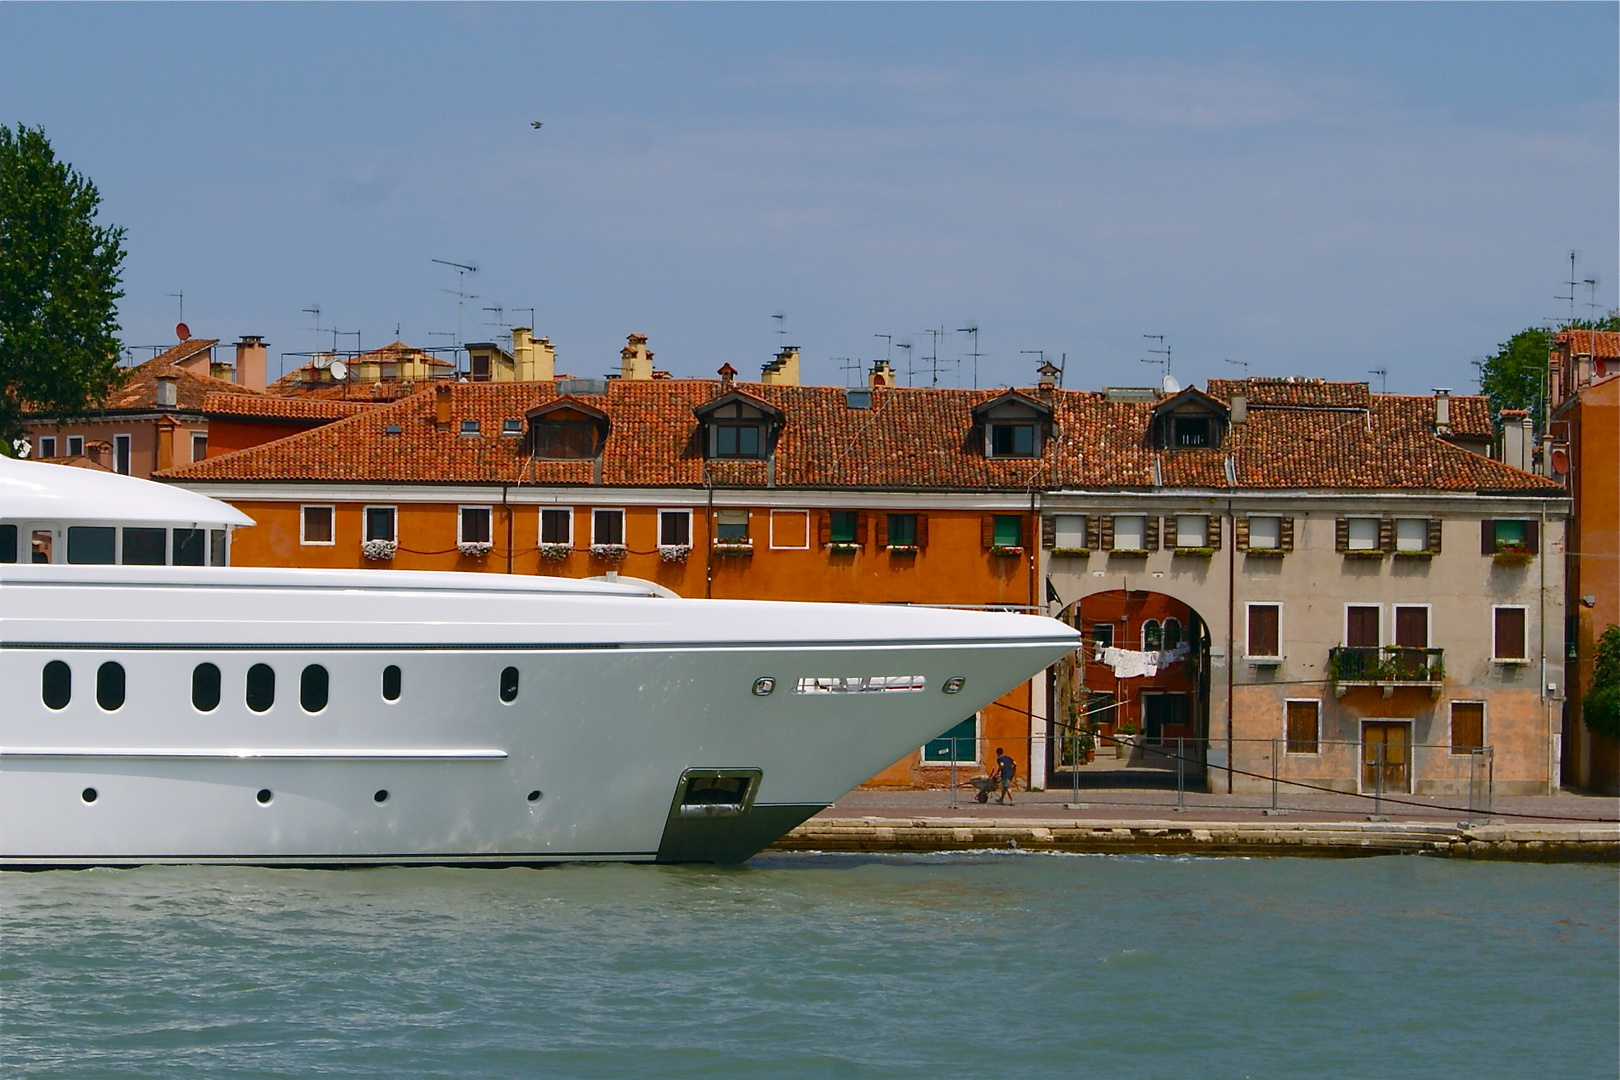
[{"x": 1390, "y": 744}]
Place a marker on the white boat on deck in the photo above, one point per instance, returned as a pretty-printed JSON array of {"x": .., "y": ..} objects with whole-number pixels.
[{"x": 162, "y": 706}]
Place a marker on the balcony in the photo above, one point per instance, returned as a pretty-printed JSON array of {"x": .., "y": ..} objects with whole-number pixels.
[{"x": 1386, "y": 668}]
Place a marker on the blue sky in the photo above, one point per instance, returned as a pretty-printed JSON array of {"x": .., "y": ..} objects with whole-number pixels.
[{"x": 1314, "y": 189}]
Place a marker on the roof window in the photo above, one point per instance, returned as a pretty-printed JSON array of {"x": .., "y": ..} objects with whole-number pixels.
[
  {"x": 859, "y": 398},
  {"x": 391, "y": 429},
  {"x": 469, "y": 427},
  {"x": 512, "y": 425},
  {"x": 1014, "y": 426},
  {"x": 737, "y": 426}
]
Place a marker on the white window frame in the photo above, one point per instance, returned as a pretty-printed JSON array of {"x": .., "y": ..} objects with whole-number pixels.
[
  {"x": 1428, "y": 625},
  {"x": 1248, "y": 605},
  {"x": 461, "y": 521},
  {"x": 1423, "y": 533},
  {"x": 624, "y": 535},
  {"x": 539, "y": 523},
  {"x": 195, "y": 436},
  {"x": 507, "y": 431},
  {"x": 805, "y": 514},
  {"x": 1252, "y": 518},
  {"x": 748, "y": 523},
  {"x": 1142, "y": 536},
  {"x": 303, "y": 524},
  {"x": 1350, "y": 533},
  {"x": 1317, "y": 753},
  {"x": 1058, "y": 532},
  {"x": 1344, "y": 626},
  {"x": 71, "y": 439},
  {"x": 1524, "y": 643},
  {"x": 1484, "y": 721},
  {"x": 365, "y": 522},
  {"x": 684, "y": 511},
  {"x": 47, "y": 446},
  {"x": 127, "y": 453}
]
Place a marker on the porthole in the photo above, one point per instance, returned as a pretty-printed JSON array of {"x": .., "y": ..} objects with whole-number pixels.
[
  {"x": 313, "y": 687},
  {"x": 261, "y": 687},
  {"x": 205, "y": 687},
  {"x": 56, "y": 685},
  {"x": 110, "y": 686},
  {"x": 264, "y": 796},
  {"x": 380, "y": 797},
  {"x": 89, "y": 795},
  {"x": 392, "y": 682},
  {"x": 534, "y": 796},
  {"x": 509, "y": 685},
  {"x": 763, "y": 686},
  {"x": 954, "y": 684}
]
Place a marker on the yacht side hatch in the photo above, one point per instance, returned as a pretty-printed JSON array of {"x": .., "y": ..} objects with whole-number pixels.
[{"x": 713, "y": 819}]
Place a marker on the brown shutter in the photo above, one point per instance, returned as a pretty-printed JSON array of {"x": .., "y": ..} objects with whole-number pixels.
[
  {"x": 1386, "y": 535},
  {"x": 922, "y": 531},
  {"x": 987, "y": 531},
  {"x": 1169, "y": 531},
  {"x": 1048, "y": 532},
  {"x": 824, "y": 527},
  {"x": 1151, "y": 540},
  {"x": 1287, "y": 534},
  {"x": 1487, "y": 537},
  {"x": 1532, "y": 536},
  {"x": 860, "y": 527},
  {"x": 881, "y": 525},
  {"x": 1213, "y": 531},
  {"x": 1432, "y": 542},
  {"x": 1341, "y": 535},
  {"x": 1105, "y": 533},
  {"x": 1093, "y": 530},
  {"x": 1240, "y": 533}
]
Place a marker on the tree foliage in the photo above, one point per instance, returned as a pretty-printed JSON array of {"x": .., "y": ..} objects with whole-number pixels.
[
  {"x": 1514, "y": 377},
  {"x": 1601, "y": 706},
  {"x": 59, "y": 285}
]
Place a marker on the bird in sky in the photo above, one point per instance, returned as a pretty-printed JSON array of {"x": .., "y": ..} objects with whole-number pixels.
[{"x": 536, "y": 124}]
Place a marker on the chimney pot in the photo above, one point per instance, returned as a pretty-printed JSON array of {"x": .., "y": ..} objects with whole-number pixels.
[
  {"x": 1442, "y": 411},
  {"x": 1240, "y": 408},
  {"x": 250, "y": 361},
  {"x": 168, "y": 391},
  {"x": 441, "y": 406},
  {"x": 882, "y": 374},
  {"x": 727, "y": 373}
]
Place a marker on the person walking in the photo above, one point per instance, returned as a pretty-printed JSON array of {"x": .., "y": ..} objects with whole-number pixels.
[{"x": 1007, "y": 768}]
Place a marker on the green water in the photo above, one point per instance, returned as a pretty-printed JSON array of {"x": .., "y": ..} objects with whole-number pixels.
[{"x": 996, "y": 965}]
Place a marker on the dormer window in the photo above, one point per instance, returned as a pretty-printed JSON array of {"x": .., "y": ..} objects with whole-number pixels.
[
  {"x": 738, "y": 427},
  {"x": 1012, "y": 440},
  {"x": 1191, "y": 420},
  {"x": 1191, "y": 430},
  {"x": 566, "y": 431},
  {"x": 1014, "y": 426},
  {"x": 736, "y": 440}
]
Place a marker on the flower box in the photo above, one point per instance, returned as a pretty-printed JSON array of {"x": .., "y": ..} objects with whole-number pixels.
[
  {"x": 1414, "y": 554},
  {"x": 1265, "y": 553},
  {"x": 1007, "y": 550},
  {"x": 734, "y": 547},
  {"x": 902, "y": 549},
  {"x": 1364, "y": 553},
  {"x": 379, "y": 550},
  {"x": 1070, "y": 553},
  {"x": 555, "y": 552},
  {"x": 1512, "y": 556},
  {"x": 675, "y": 553},
  {"x": 1194, "y": 552},
  {"x": 609, "y": 552},
  {"x": 843, "y": 546},
  {"x": 474, "y": 549},
  {"x": 1130, "y": 553}
]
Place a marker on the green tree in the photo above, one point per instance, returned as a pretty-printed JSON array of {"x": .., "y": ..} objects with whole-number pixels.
[
  {"x": 1514, "y": 377},
  {"x": 1601, "y": 706},
  {"x": 59, "y": 285}
]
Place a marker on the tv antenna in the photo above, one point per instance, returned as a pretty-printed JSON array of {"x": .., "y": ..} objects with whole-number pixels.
[
  {"x": 910, "y": 371},
  {"x": 1383, "y": 378},
  {"x": 1163, "y": 350},
  {"x": 781, "y": 329},
  {"x": 1244, "y": 364},
  {"x": 933, "y": 358},
  {"x": 1573, "y": 282},
  {"x": 182, "y": 298},
  {"x": 1035, "y": 352},
  {"x": 850, "y": 368},
  {"x": 530, "y": 310},
  {"x": 1591, "y": 284},
  {"x": 460, "y": 291},
  {"x": 315, "y": 310},
  {"x": 973, "y": 328},
  {"x": 888, "y": 348}
]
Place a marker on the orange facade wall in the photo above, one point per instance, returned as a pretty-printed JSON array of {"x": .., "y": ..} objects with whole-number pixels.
[
  {"x": 227, "y": 435},
  {"x": 1594, "y": 568}
]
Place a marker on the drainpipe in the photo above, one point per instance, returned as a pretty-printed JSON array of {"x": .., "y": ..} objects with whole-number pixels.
[
  {"x": 1231, "y": 619},
  {"x": 708, "y": 547},
  {"x": 1547, "y": 700},
  {"x": 508, "y": 508}
]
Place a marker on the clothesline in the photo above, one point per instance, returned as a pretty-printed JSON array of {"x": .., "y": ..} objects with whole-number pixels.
[{"x": 1131, "y": 664}]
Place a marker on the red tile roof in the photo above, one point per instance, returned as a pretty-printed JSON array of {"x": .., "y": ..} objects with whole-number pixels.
[
  {"x": 908, "y": 439},
  {"x": 263, "y": 406},
  {"x": 1604, "y": 343},
  {"x": 138, "y": 390}
]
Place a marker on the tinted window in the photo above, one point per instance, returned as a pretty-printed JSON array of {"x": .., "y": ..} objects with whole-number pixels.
[
  {"x": 110, "y": 686},
  {"x": 8, "y": 543},
  {"x": 205, "y": 687},
  {"x": 312, "y": 688},
  {"x": 216, "y": 547},
  {"x": 56, "y": 685},
  {"x": 392, "y": 681},
  {"x": 261, "y": 687},
  {"x": 190, "y": 545},
  {"x": 509, "y": 684},
  {"x": 91, "y": 543},
  {"x": 143, "y": 547}
]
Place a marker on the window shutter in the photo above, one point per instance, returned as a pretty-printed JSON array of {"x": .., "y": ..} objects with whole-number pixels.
[
  {"x": 882, "y": 528},
  {"x": 1212, "y": 533},
  {"x": 1287, "y": 532},
  {"x": 987, "y": 531},
  {"x": 1048, "y": 532},
  {"x": 1386, "y": 535},
  {"x": 1093, "y": 531},
  {"x": 1105, "y": 533},
  {"x": 1170, "y": 531},
  {"x": 1341, "y": 534},
  {"x": 824, "y": 527},
  {"x": 1532, "y": 536},
  {"x": 1151, "y": 540},
  {"x": 860, "y": 527},
  {"x": 1240, "y": 533},
  {"x": 1433, "y": 539},
  {"x": 922, "y": 531},
  {"x": 1487, "y": 537}
]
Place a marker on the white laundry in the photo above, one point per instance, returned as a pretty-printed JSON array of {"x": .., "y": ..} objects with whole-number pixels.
[{"x": 1133, "y": 664}]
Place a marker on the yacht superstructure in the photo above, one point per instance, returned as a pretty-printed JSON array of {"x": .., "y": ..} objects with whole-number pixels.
[{"x": 177, "y": 710}]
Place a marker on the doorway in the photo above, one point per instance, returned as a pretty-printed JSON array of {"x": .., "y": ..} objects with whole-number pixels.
[{"x": 1386, "y": 745}]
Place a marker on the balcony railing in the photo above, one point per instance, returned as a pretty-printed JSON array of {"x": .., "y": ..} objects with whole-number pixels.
[{"x": 1386, "y": 667}]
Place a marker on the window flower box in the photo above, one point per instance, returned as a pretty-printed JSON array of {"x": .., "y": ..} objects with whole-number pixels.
[
  {"x": 1364, "y": 553},
  {"x": 1130, "y": 553},
  {"x": 609, "y": 552},
  {"x": 675, "y": 553},
  {"x": 1514, "y": 555},
  {"x": 379, "y": 550},
  {"x": 1070, "y": 553},
  {"x": 474, "y": 549},
  {"x": 1007, "y": 551},
  {"x": 733, "y": 547},
  {"x": 1414, "y": 554},
  {"x": 1194, "y": 552},
  {"x": 1265, "y": 553},
  {"x": 903, "y": 549},
  {"x": 843, "y": 546},
  {"x": 555, "y": 552}
]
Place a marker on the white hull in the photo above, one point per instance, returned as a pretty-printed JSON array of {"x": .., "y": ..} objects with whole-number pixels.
[{"x": 620, "y": 693}]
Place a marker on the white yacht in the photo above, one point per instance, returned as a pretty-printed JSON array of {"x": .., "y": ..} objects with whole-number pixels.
[{"x": 163, "y": 706}]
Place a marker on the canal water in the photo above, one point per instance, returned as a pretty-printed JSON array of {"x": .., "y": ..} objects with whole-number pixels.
[{"x": 1002, "y": 965}]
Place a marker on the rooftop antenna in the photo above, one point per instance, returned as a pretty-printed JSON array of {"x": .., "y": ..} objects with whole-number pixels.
[
  {"x": 1244, "y": 364},
  {"x": 1479, "y": 372},
  {"x": 1163, "y": 350},
  {"x": 933, "y": 358},
  {"x": 1035, "y": 352},
  {"x": 1063, "y": 362},
  {"x": 500, "y": 322},
  {"x": 1383, "y": 378},
  {"x": 530, "y": 310},
  {"x": 1572, "y": 283},
  {"x": 182, "y": 298},
  {"x": 315, "y": 310},
  {"x": 460, "y": 291},
  {"x": 973, "y": 328},
  {"x": 850, "y": 368},
  {"x": 910, "y": 371},
  {"x": 888, "y": 348},
  {"x": 1591, "y": 284},
  {"x": 781, "y": 330}
]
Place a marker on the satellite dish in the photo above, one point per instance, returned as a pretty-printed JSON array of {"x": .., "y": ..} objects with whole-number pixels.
[
  {"x": 339, "y": 370},
  {"x": 1170, "y": 385},
  {"x": 182, "y": 331},
  {"x": 1560, "y": 460}
]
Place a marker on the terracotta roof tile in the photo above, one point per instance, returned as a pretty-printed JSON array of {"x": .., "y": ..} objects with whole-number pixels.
[
  {"x": 279, "y": 408},
  {"x": 1604, "y": 343}
]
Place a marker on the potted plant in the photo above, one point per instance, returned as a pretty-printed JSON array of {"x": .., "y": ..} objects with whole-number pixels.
[
  {"x": 379, "y": 550},
  {"x": 1124, "y": 739},
  {"x": 474, "y": 549},
  {"x": 1513, "y": 555},
  {"x": 674, "y": 553},
  {"x": 843, "y": 546},
  {"x": 609, "y": 552},
  {"x": 1008, "y": 551},
  {"x": 555, "y": 552},
  {"x": 742, "y": 546}
]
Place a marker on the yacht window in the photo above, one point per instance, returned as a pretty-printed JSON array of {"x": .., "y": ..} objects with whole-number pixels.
[
  {"x": 8, "y": 543},
  {"x": 205, "y": 687},
  {"x": 143, "y": 547},
  {"x": 40, "y": 546},
  {"x": 110, "y": 686},
  {"x": 391, "y": 682},
  {"x": 92, "y": 544},
  {"x": 190, "y": 545},
  {"x": 509, "y": 685},
  {"x": 56, "y": 685},
  {"x": 313, "y": 687},
  {"x": 217, "y": 555},
  {"x": 261, "y": 687}
]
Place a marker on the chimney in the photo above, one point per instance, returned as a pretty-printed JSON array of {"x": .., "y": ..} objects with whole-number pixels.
[
  {"x": 1518, "y": 439},
  {"x": 727, "y": 373},
  {"x": 784, "y": 370},
  {"x": 635, "y": 359},
  {"x": 536, "y": 359},
  {"x": 441, "y": 406},
  {"x": 882, "y": 374},
  {"x": 1442, "y": 412},
  {"x": 250, "y": 357},
  {"x": 1240, "y": 408},
  {"x": 1048, "y": 372},
  {"x": 168, "y": 391}
]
